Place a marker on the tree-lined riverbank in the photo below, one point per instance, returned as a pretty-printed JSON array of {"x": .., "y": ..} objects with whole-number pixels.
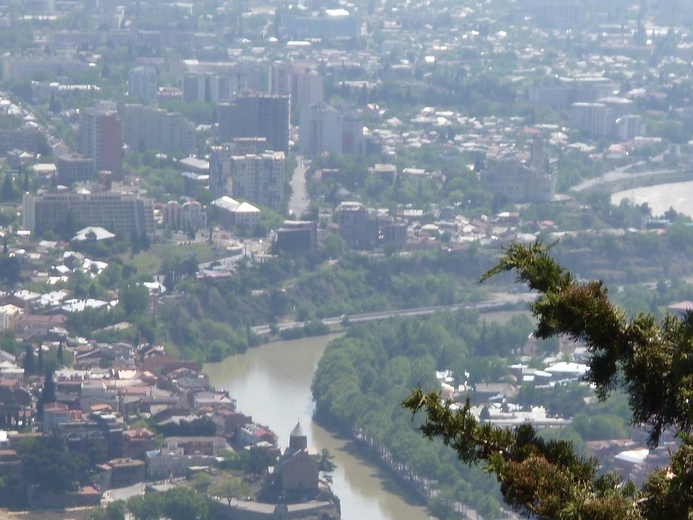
[{"x": 272, "y": 383}]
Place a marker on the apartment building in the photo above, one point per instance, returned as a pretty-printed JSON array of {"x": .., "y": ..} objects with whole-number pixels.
[
  {"x": 256, "y": 115},
  {"x": 207, "y": 87},
  {"x": 225, "y": 77},
  {"x": 189, "y": 216},
  {"x": 74, "y": 168},
  {"x": 561, "y": 94},
  {"x": 118, "y": 212},
  {"x": 21, "y": 67},
  {"x": 326, "y": 128},
  {"x": 629, "y": 127},
  {"x": 18, "y": 139},
  {"x": 154, "y": 129},
  {"x": 258, "y": 178},
  {"x": 594, "y": 119},
  {"x": 366, "y": 228},
  {"x": 298, "y": 80},
  {"x": 297, "y": 235},
  {"x": 142, "y": 84},
  {"x": 100, "y": 137}
]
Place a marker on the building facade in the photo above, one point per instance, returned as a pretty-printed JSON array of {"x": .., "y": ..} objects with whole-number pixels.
[
  {"x": 19, "y": 139},
  {"x": 189, "y": 216},
  {"x": 325, "y": 128},
  {"x": 142, "y": 84},
  {"x": 207, "y": 87},
  {"x": 300, "y": 81},
  {"x": 74, "y": 168},
  {"x": 518, "y": 181},
  {"x": 154, "y": 129},
  {"x": 358, "y": 225},
  {"x": 17, "y": 68},
  {"x": 258, "y": 178},
  {"x": 229, "y": 212},
  {"x": 629, "y": 127},
  {"x": 594, "y": 119},
  {"x": 117, "y": 212},
  {"x": 257, "y": 115},
  {"x": 565, "y": 91},
  {"x": 297, "y": 235},
  {"x": 327, "y": 23},
  {"x": 100, "y": 137}
]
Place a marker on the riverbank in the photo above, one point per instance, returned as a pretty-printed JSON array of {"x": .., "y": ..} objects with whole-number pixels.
[
  {"x": 422, "y": 487},
  {"x": 358, "y": 445},
  {"x": 647, "y": 181},
  {"x": 624, "y": 178},
  {"x": 415, "y": 488},
  {"x": 661, "y": 197},
  {"x": 272, "y": 381}
]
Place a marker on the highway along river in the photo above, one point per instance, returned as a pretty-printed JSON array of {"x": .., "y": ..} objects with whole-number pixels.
[{"x": 272, "y": 383}]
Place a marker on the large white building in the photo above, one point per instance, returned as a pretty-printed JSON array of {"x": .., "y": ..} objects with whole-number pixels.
[
  {"x": 233, "y": 213},
  {"x": 562, "y": 93},
  {"x": 594, "y": 119}
]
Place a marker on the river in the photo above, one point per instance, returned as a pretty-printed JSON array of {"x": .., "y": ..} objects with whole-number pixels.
[
  {"x": 272, "y": 383},
  {"x": 677, "y": 195}
]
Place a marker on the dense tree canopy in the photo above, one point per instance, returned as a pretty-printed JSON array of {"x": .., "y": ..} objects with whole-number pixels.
[
  {"x": 48, "y": 466},
  {"x": 253, "y": 462},
  {"x": 364, "y": 375},
  {"x": 649, "y": 360},
  {"x": 181, "y": 503},
  {"x": 231, "y": 488},
  {"x": 146, "y": 507}
]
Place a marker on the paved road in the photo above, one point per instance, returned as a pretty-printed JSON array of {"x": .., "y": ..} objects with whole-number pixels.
[
  {"x": 123, "y": 493},
  {"x": 498, "y": 301},
  {"x": 621, "y": 174}
]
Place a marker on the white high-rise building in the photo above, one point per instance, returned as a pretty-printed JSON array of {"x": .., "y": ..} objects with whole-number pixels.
[{"x": 594, "y": 119}]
